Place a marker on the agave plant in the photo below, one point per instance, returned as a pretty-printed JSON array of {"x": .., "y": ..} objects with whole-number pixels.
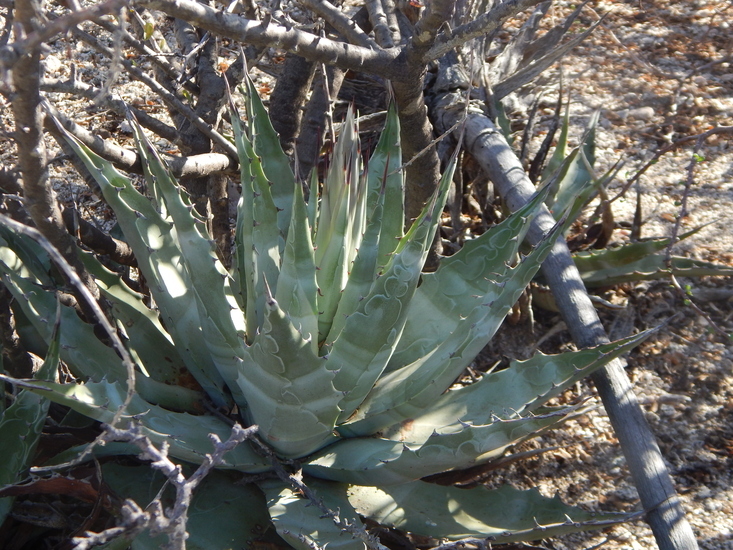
[
  {"x": 572, "y": 180},
  {"x": 324, "y": 334}
]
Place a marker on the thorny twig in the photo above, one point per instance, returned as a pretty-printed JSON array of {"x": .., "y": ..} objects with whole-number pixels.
[
  {"x": 171, "y": 521},
  {"x": 115, "y": 65},
  {"x": 689, "y": 182},
  {"x": 663, "y": 151},
  {"x": 11, "y": 53},
  {"x": 426, "y": 149}
]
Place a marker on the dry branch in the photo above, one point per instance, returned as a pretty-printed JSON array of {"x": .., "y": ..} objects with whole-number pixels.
[
  {"x": 269, "y": 33},
  {"x": 477, "y": 28},
  {"x": 129, "y": 161},
  {"x": 660, "y": 501}
]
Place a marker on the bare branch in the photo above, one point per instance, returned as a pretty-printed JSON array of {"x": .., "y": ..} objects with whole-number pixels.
[
  {"x": 11, "y": 53},
  {"x": 40, "y": 198},
  {"x": 170, "y": 99},
  {"x": 98, "y": 240},
  {"x": 666, "y": 149},
  {"x": 384, "y": 63},
  {"x": 171, "y": 521},
  {"x": 155, "y": 57},
  {"x": 343, "y": 24},
  {"x": 531, "y": 71},
  {"x": 695, "y": 158},
  {"x": 416, "y": 131},
  {"x": 480, "y": 26},
  {"x": 386, "y": 36},
  {"x": 79, "y": 88},
  {"x": 124, "y": 159},
  {"x": 664, "y": 511}
]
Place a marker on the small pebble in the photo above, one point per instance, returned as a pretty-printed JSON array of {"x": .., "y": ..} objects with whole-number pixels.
[
  {"x": 51, "y": 64},
  {"x": 642, "y": 113}
]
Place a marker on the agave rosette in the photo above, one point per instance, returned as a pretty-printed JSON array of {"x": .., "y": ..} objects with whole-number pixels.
[{"x": 325, "y": 334}]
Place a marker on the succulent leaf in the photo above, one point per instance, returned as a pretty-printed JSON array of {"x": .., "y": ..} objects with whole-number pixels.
[
  {"x": 572, "y": 182},
  {"x": 340, "y": 223},
  {"x": 396, "y": 462},
  {"x": 363, "y": 272},
  {"x": 187, "y": 435},
  {"x": 288, "y": 388},
  {"x": 208, "y": 277},
  {"x": 371, "y": 333},
  {"x": 221, "y": 320},
  {"x": 275, "y": 163},
  {"x": 612, "y": 266},
  {"x": 501, "y": 515},
  {"x": 25, "y": 257},
  {"x": 154, "y": 241},
  {"x": 385, "y": 176},
  {"x": 326, "y": 335},
  {"x": 362, "y": 460},
  {"x": 21, "y": 424},
  {"x": 151, "y": 346},
  {"x": 297, "y": 289},
  {"x": 521, "y": 388},
  {"x": 467, "y": 330},
  {"x": 86, "y": 356},
  {"x": 302, "y": 524},
  {"x": 468, "y": 277},
  {"x": 94, "y": 360},
  {"x": 463, "y": 446},
  {"x": 560, "y": 153},
  {"x": 258, "y": 238}
]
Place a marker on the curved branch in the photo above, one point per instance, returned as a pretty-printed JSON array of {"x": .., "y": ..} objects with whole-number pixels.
[
  {"x": 385, "y": 63},
  {"x": 343, "y": 24},
  {"x": 40, "y": 198},
  {"x": 124, "y": 159}
]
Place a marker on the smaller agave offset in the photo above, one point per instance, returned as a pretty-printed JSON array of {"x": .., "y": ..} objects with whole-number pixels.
[{"x": 325, "y": 334}]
